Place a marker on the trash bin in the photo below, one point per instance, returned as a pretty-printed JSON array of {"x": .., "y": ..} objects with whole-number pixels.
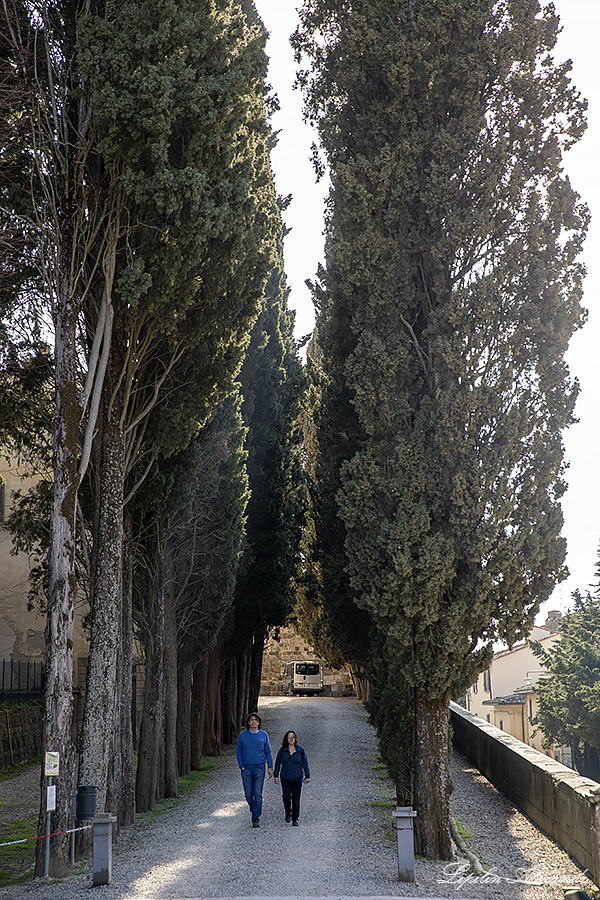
[{"x": 85, "y": 803}]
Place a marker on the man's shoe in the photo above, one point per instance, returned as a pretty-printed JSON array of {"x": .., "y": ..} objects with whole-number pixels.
[
  {"x": 255, "y": 823},
  {"x": 295, "y": 822},
  {"x": 288, "y": 818}
]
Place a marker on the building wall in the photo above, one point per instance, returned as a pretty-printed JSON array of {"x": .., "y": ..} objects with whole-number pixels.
[
  {"x": 288, "y": 646},
  {"x": 21, "y": 629},
  {"x": 509, "y": 670}
]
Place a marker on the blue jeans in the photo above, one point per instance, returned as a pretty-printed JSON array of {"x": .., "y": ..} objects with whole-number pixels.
[{"x": 253, "y": 778}]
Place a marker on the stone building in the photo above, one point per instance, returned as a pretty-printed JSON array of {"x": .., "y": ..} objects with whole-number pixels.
[{"x": 289, "y": 646}]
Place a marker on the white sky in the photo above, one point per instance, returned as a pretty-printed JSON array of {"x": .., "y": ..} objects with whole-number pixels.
[{"x": 579, "y": 41}]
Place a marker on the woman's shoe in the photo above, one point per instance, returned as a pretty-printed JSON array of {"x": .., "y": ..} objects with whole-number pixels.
[
  {"x": 288, "y": 818},
  {"x": 295, "y": 822}
]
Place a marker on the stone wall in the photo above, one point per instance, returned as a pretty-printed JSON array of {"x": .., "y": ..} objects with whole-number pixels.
[
  {"x": 561, "y": 802},
  {"x": 289, "y": 646},
  {"x": 20, "y": 734}
]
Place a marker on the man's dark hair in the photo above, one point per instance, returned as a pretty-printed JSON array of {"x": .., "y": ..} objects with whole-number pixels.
[{"x": 250, "y": 716}]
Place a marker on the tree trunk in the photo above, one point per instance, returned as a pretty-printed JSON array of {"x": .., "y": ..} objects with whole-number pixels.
[
  {"x": 58, "y": 694},
  {"x": 100, "y": 738},
  {"x": 126, "y": 809},
  {"x": 229, "y": 701},
  {"x": 170, "y": 691},
  {"x": 258, "y": 646},
  {"x": 244, "y": 683},
  {"x": 360, "y": 682},
  {"x": 212, "y": 738},
  {"x": 152, "y": 725},
  {"x": 184, "y": 720},
  {"x": 198, "y": 712},
  {"x": 432, "y": 779}
]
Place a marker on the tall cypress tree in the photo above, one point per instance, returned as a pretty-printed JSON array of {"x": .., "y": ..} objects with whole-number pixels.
[
  {"x": 272, "y": 383},
  {"x": 177, "y": 91},
  {"x": 451, "y": 292}
]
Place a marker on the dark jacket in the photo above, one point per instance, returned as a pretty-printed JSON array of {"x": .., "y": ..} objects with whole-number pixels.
[{"x": 292, "y": 765}]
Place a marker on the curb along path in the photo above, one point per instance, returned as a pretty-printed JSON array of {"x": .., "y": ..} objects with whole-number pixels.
[{"x": 206, "y": 847}]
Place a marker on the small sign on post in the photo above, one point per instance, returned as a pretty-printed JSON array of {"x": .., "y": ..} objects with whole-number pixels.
[
  {"x": 52, "y": 763},
  {"x": 51, "y": 798}
]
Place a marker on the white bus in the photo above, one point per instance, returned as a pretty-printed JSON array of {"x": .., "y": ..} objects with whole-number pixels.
[{"x": 303, "y": 677}]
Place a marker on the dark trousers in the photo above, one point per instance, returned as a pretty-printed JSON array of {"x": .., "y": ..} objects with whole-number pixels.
[{"x": 291, "y": 791}]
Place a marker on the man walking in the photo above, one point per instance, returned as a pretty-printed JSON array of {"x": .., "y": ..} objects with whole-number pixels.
[{"x": 253, "y": 750}]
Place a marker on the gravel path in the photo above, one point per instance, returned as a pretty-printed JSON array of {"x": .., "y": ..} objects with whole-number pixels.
[{"x": 344, "y": 847}]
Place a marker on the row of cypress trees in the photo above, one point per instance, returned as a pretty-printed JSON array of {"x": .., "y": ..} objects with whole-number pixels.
[
  {"x": 450, "y": 291},
  {"x": 142, "y": 230}
]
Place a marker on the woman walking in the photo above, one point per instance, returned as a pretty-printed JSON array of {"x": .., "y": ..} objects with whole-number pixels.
[{"x": 292, "y": 762}]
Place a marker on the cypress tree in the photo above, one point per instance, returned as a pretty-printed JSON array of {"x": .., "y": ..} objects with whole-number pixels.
[
  {"x": 177, "y": 91},
  {"x": 451, "y": 292},
  {"x": 153, "y": 190},
  {"x": 272, "y": 384}
]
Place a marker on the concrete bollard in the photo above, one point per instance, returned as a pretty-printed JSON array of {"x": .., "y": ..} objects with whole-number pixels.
[
  {"x": 103, "y": 829},
  {"x": 404, "y": 816}
]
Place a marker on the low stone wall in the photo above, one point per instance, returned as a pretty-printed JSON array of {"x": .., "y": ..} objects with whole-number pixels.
[
  {"x": 20, "y": 734},
  {"x": 562, "y": 803}
]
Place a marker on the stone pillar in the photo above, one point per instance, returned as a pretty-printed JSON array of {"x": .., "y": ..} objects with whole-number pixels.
[
  {"x": 404, "y": 816},
  {"x": 103, "y": 830}
]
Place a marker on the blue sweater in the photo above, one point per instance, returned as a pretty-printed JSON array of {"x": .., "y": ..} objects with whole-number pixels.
[
  {"x": 254, "y": 749},
  {"x": 292, "y": 765}
]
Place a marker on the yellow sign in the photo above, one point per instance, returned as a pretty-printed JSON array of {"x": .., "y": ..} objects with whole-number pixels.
[{"x": 52, "y": 763}]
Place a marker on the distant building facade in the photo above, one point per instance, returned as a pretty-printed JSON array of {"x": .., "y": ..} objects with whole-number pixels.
[
  {"x": 22, "y": 629},
  {"x": 505, "y": 694}
]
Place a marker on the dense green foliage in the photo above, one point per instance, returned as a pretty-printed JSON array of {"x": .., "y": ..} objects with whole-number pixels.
[
  {"x": 178, "y": 96},
  {"x": 272, "y": 383},
  {"x": 569, "y": 698},
  {"x": 451, "y": 290}
]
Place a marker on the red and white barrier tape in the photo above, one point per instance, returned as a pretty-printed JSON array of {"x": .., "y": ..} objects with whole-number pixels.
[{"x": 40, "y": 836}]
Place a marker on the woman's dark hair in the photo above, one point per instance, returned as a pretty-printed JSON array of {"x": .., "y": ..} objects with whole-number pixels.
[
  {"x": 284, "y": 742},
  {"x": 250, "y": 716}
]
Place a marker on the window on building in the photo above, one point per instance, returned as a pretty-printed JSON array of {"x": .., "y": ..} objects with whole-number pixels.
[
  {"x": 501, "y": 725},
  {"x": 475, "y": 688},
  {"x": 1, "y": 502},
  {"x": 487, "y": 681},
  {"x": 489, "y": 718},
  {"x": 530, "y": 708}
]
